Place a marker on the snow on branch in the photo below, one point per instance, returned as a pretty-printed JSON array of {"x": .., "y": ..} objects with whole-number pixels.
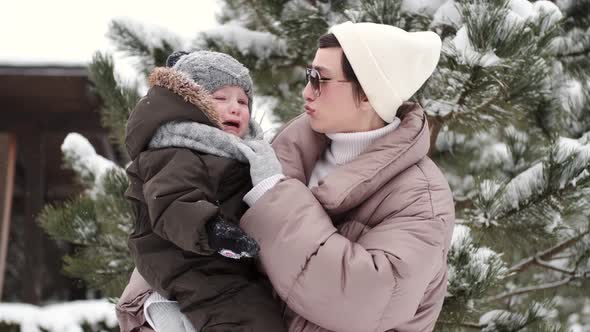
[
  {"x": 83, "y": 159},
  {"x": 535, "y": 318},
  {"x": 260, "y": 44},
  {"x": 563, "y": 168},
  {"x": 472, "y": 269}
]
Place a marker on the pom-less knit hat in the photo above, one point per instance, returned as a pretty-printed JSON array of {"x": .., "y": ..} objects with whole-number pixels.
[
  {"x": 212, "y": 70},
  {"x": 391, "y": 64}
]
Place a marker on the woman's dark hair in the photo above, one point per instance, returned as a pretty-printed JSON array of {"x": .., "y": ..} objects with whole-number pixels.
[{"x": 329, "y": 40}]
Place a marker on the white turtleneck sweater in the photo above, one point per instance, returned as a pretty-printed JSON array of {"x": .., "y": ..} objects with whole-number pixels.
[{"x": 344, "y": 147}]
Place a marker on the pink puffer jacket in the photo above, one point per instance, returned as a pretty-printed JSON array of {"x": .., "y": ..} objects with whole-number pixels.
[{"x": 365, "y": 250}]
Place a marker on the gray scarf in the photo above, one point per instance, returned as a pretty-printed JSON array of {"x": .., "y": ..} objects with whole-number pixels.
[{"x": 203, "y": 138}]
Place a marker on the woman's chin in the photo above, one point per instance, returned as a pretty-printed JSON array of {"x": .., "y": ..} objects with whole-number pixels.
[
  {"x": 316, "y": 128},
  {"x": 316, "y": 125},
  {"x": 320, "y": 128}
]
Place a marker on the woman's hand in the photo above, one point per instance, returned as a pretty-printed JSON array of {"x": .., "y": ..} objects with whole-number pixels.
[{"x": 263, "y": 160}]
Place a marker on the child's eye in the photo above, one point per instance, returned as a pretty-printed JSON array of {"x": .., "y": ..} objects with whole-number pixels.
[
  {"x": 243, "y": 102},
  {"x": 219, "y": 98}
]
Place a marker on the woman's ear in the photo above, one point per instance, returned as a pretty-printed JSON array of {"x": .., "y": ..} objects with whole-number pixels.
[{"x": 364, "y": 105}]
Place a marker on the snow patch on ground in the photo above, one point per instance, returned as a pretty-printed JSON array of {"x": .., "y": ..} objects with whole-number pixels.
[{"x": 60, "y": 317}]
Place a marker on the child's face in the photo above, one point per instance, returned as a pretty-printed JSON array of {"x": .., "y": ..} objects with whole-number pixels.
[{"x": 231, "y": 103}]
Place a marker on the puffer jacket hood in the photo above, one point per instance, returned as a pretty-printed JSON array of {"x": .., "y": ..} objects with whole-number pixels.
[{"x": 173, "y": 98}]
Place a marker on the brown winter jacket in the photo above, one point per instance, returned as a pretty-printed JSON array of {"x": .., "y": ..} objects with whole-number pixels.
[
  {"x": 174, "y": 191},
  {"x": 366, "y": 249}
]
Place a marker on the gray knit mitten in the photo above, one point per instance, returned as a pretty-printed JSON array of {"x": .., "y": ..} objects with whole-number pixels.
[{"x": 262, "y": 158}]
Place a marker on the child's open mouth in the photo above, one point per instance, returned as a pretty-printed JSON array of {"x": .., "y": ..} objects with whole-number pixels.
[{"x": 231, "y": 126}]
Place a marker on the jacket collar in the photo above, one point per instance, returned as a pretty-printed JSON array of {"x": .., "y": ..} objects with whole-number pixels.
[{"x": 299, "y": 148}]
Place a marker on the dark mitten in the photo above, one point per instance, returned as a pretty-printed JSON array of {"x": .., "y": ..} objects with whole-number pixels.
[{"x": 229, "y": 240}]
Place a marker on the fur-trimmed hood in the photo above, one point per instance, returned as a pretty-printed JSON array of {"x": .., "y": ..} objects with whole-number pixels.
[{"x": 173, "y": 98}]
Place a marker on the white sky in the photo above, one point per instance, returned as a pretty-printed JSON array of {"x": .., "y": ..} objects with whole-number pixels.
[{"x": 69, "y": 31}]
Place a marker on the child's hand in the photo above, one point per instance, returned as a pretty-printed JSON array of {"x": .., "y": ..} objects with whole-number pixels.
[{"x": 229, "y": 240}]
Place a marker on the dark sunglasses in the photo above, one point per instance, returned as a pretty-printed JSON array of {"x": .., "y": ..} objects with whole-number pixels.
[{"x": 313, "y": 77}]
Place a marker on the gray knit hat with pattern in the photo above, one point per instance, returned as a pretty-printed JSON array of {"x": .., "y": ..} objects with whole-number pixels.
[{"x": 212, "y": 70}]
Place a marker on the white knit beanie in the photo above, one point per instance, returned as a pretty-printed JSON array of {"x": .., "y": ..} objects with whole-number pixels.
[{"x": 391, "y": 64}]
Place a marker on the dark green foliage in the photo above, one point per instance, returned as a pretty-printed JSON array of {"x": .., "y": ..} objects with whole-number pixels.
[
  {"x": 98, "y": 224},
  {"x": 129, "y": 39},
  {"x": 117, "y": 100}
]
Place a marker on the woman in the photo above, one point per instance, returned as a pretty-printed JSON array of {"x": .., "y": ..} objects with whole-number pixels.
[
  {"x": 355, "y": 227},
  {"x": 363, "y": 246}
]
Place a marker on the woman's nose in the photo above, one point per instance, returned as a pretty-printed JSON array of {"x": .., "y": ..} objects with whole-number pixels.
[{"x": 307, "y": 93}]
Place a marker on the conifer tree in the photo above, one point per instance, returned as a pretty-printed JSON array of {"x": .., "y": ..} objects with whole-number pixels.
[{"x": 509, "y": 116}]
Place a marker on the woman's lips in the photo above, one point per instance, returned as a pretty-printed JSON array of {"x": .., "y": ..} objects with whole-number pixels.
[{"x": 309, "y": 110}]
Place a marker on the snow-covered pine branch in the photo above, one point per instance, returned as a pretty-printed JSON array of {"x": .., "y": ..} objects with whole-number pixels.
[
  {"x": 91, "y": 167},
  {"x": 97, "y": 221},
  {"x": 542, "y": 186},
  {"x": 260, "y": 45},
  {"x": 473, "y": 271}
]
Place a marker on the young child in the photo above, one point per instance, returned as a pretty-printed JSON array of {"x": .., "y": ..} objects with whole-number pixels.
[{"x": 187, "y": 181}]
